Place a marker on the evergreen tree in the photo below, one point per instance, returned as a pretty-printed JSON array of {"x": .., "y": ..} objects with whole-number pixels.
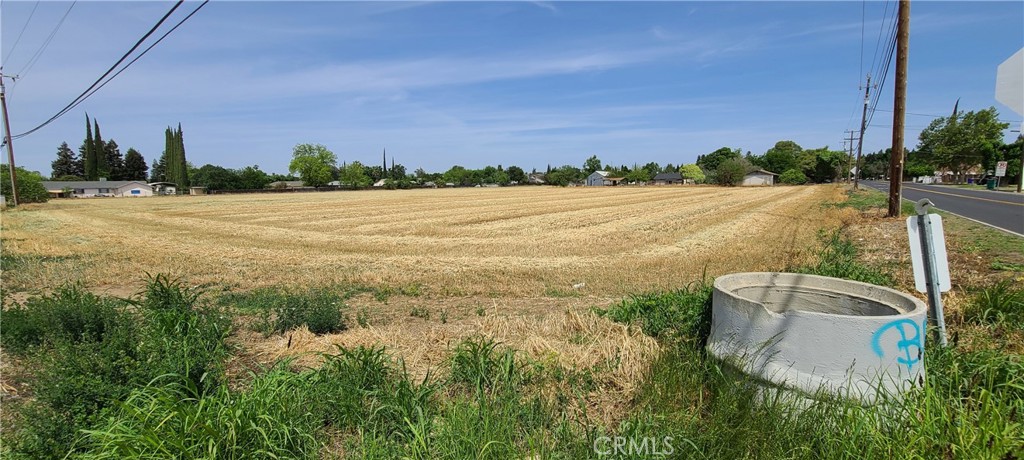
[
  {"x": 89, "y": 157},
  {"x": 167, "y": 160},
  {"x": 66, "y": 163},
  {"x": 158, "y": 173},
  {"x": 135, "y": 167},
  {"x": 99, "y": 152},
  {"x": 115, "y": 161},
  {"x": 183, "y": 168}
]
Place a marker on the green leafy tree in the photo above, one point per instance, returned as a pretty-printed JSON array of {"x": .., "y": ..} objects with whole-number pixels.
[
  {"x": 692, "y": 172},
  {"x": 457, "y": 175},
  {"x": 963, "y": 141},
  {"x": 313, "y": 163},
  {"x": 252, "y": 178},
  {"x": 731, "y": 172},
  {"x": 711, "y": 161},
  {"x": 785, "y": 155},
  {"x": 135, "y": 167},
  {"x": 638, "y": 175},
  {"x": 67, "y": 163},
  {"x": 564, "y": 175},
  {"x": 215, "y": 178},
  {"x": 516, "y": 174},
  {"x": 793, "y": 177},
  {"x": 825, "y": 164},
  {"x": 592, "y": 164},
  {"x": 354, "y": 175},
  {"x": 1011, "y": 154},
  {"x": 30, "y": 185},
  {"x": 397, "y": 172}
]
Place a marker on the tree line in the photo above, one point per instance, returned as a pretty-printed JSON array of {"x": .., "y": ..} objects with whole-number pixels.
[{"x": 955, "y": 144}]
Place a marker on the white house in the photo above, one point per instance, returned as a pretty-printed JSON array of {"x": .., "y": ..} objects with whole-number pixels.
[
  {"x": 97, "y": 188},
  {"x": 600, "y": 178},
  {"x": 759, "y": 177}
]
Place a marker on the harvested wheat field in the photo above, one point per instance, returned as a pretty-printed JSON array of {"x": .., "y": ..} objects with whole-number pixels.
[
  {"x": 521, "y": 266},
  {"x": 528, "y": 241}
]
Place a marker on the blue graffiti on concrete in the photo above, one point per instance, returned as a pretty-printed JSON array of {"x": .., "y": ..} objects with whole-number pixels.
[{"x": 903, "y": 326}]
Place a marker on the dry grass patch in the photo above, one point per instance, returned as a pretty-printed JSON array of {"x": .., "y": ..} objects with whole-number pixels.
[
  {"x": 570, "y": 337},
  {"x": 508, "y": 242}
]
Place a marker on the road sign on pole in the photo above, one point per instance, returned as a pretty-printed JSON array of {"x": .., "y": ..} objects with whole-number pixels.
[
  {"x": 1001, "y": 169},
  {"x": 931, "y": 265}
]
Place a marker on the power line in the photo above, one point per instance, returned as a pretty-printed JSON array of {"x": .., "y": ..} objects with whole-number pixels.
[
  {"x": 17, "y": 40},
  {"x": 89, "y": 91},
  {"x": 143, "y": 53},
  {"x": 42, "y": 48}
]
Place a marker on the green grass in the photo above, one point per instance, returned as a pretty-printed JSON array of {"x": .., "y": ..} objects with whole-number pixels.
[
  {"x": 90, "y": 353},
  {"x": 839, "y": 260},
  {"x": 867, "y": 199}
]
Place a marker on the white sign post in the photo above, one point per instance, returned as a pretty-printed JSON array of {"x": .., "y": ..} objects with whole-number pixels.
[
  {"x": 1010, "y": 92},
  {"x": 1001, "y": 169},
  {"x": 931, "y": 265}
]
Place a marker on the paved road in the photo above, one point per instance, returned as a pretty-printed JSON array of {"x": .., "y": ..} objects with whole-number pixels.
[{"x": 1004, "y": 210}]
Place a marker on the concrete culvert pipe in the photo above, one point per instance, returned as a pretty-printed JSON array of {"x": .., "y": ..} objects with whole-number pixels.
[{"x": 814, "y": 333}]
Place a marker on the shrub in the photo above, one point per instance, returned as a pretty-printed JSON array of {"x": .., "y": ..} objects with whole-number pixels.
[
  {"x": 478, "y": 364},
  {"x": 684, "y": 313},
  {"x": 732, "y": 171},
  {"x": 319, "y": 310},
  {"x": 71, "y": 313},
  {"x": 91, "y": 356},
  {"x": 793, "y": 177},
  {"x": 30, "y": 185},
  {"x": 1002, "y": 302}
]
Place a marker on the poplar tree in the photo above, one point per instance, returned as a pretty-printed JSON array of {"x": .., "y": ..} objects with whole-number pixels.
[
  {"x": 99, "y": 153},
  {"x": 87, "y": 151}
]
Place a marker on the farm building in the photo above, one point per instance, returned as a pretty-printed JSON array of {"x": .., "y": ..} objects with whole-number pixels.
[
  {"x": 164, "y": 188},
  {"x": 669, "y": 178},
  {"x": 197, "y": 191},
  {"x": 600, "y": 178},
  {"x": 97, "y": 188},
  {"x": 759, "y": 177}
]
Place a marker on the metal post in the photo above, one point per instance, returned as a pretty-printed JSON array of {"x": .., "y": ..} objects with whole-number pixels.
[{"x": 931, "y": 275}]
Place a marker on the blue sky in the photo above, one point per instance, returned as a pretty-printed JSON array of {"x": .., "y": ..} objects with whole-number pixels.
[{"x": 478, "y": 83}]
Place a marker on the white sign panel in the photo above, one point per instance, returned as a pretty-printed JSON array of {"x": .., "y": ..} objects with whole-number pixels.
[
  {"x": 1010, "y": 82},
  {"x": 939, "y": 243},
  {"x": 1001, "y": 169}
]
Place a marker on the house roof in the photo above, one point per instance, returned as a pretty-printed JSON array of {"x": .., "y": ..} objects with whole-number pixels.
[
  {"x": 61, "y": 185},
  {"x": 614, "y": 178},
  {"x": 602, "y": 173},
  {"x": 761, "y": 171},
  {"x": 669, "y": 176},
  {"x": 287, "y": 183}
]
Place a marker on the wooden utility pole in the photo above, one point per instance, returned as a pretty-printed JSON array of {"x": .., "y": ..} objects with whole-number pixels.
[
  {"x": 863, "y": 127},
  {"x": 899, "y": 108},
  {"x": 849, "y": 158},
  {"x": 10, "y": 146}
]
